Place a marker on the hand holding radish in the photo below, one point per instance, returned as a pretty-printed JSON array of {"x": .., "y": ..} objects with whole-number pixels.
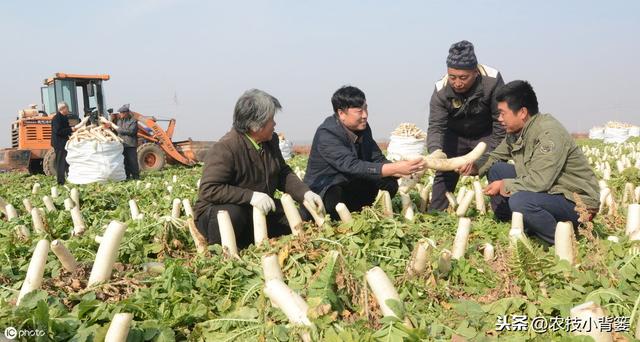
[
  {"x": 403, "y": 168},
  {"x": 315, "y": 201},
  {"x": 468, "y": 169}
]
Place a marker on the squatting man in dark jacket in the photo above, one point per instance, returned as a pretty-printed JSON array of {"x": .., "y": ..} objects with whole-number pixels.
[
  {"x": 549, "y": 168},
  {"x": 463, "y": 113},
  {"x": 345, "y": 163},
  {"x": 243, "y": 169}
]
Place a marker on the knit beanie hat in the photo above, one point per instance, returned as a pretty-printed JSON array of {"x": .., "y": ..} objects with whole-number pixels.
[{"x": 461, "y": 56}]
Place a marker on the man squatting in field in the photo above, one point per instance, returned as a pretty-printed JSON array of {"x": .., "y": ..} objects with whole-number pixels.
[
  {"x": 463, "y": 112},
  {"x": 548, "y": 166},
  {"x": 345, "y": 163},
  {"x": 243, "y": 169}
]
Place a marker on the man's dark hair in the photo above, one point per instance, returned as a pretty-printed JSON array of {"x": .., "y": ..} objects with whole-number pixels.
[
  {"x": 347, "y": 97},
  {"x": 518, "y": 94}
]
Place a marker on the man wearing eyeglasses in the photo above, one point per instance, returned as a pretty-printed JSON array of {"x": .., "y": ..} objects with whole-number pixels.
[{"x": 463, "y": 112}]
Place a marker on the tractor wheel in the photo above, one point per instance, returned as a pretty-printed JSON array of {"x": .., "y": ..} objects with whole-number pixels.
[
  {"x": 150, "y": 157},
  {"x": 49, "y": 163}
]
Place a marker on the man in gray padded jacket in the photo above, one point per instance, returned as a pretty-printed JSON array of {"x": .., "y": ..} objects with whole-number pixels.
[{"x": 463, "y": 112}]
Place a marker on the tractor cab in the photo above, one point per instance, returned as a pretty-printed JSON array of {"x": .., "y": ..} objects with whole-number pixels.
[{"x": 83, "y": 94}]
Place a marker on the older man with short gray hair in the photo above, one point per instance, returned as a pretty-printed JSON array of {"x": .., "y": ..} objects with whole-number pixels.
[
  {"x": 60, "y": 132},
  {"x": 243, "y": 170}
]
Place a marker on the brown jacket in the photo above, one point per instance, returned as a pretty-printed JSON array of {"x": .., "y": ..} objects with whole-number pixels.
[{"x": 234, "y": 169}]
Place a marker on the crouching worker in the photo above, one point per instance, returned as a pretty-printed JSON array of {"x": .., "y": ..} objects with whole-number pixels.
[
  {"x": 243, "y": 170},
  {"x": 548, "y": 166},
  {"x": 345, "y": 164}
]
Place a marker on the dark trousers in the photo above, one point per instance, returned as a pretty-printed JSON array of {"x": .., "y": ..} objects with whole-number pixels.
[
  {"x": 541, "y": 211},
  {"x": 356, "y": 194},
  {"x": 453, "y": 146},
  {"x": 242, "y": 220},
  {"x": 61, "y": 165},
  {"x": 131, "y": 162}
]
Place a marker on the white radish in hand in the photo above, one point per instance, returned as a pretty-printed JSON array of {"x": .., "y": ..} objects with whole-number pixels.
[{"x": 318, "y": 218}]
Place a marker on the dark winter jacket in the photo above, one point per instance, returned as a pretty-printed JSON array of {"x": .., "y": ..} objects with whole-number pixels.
[
  {"x": 339, "y": 155},
  {"x": 234, "y": 169},
  {"x": 60, "y": 131},
  {"x": 470, "y": 115}
]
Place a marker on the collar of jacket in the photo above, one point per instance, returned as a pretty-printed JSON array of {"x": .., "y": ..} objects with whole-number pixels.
[
  {"x": 519, "y": 139},
  {"x": 248, "y": 145},
  {"x": 352, "y": 136},
  {"x": 476, "y": 89}
]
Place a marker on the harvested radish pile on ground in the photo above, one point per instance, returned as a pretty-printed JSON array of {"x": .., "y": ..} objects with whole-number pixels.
[{"x": 124, "y": 259}]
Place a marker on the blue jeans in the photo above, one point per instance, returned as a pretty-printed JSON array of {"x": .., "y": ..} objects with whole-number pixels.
[{"x": 541, "y": 211}]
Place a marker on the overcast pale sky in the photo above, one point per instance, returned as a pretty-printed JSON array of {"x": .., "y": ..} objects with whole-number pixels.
[{"x": 191, "y": 60}]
